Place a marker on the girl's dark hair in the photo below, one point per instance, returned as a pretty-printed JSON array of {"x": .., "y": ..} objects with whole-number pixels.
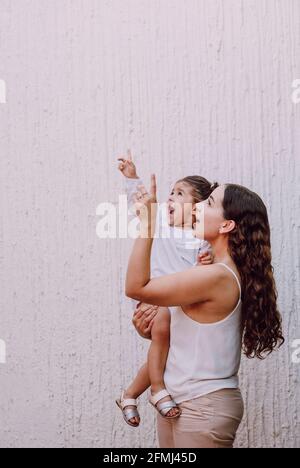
[
  {"x": 202, "y": 188},
  {"x": 250, "y": 249}
]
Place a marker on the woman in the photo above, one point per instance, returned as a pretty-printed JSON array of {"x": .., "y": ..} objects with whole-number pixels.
[{"x": 220, "y": 309}]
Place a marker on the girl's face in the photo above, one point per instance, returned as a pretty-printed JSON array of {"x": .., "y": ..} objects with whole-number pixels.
[
  {"x": 209, "y": 216},
  {"x": 180, "y": 205}
]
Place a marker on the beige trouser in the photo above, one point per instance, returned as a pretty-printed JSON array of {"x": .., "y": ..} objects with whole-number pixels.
[{"x": 210, "y": 421}]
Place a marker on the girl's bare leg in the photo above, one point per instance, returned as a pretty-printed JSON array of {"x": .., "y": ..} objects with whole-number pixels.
[
  {"x": 158, "y": 353},
  {"x": 152, "y": 372},
  {"x": 140, "y": 383},
  {"x": 137, "y": 387}
]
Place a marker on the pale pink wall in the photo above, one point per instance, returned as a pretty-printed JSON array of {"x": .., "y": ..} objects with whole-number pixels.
[{"x": 195, "y": 86}]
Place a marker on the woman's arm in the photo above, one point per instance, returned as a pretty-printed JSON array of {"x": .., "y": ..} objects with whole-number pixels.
[
  {"x": 184, "y": 288},
  {"x": 187, "y": 287}
]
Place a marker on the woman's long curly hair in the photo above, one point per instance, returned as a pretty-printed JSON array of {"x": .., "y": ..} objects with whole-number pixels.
[{"x": 250, "y": 249}]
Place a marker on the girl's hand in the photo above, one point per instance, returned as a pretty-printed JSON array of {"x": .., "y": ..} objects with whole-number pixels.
[
  {"x": 205, "y": 258},
  {"x": 127, "y": 166},
  {"x": 146, "y": 206}
]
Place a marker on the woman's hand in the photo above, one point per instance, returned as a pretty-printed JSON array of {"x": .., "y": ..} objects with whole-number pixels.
[
  {"x": 127, "y": 166},
  {"x": 143, "y": 319},
  {"x": 146, "y": 206}
]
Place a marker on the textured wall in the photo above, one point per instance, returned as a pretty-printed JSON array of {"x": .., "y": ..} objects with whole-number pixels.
[{"x": 194, "y": 86}]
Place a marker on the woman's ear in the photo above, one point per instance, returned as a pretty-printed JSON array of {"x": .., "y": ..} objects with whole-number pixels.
[{"x": 227, "y": 226}]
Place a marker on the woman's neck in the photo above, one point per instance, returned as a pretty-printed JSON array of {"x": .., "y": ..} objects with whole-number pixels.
[{"x": 220, "y": 250}]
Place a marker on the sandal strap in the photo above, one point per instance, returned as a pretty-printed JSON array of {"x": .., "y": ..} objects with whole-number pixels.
[
  {"x": 128, "y": 402},
  {"x": 159, "y": 396},
  {"x": 131, "y": 413},
  {"x": 167, "y": 404},
  {"x": 164, "y": 408}
]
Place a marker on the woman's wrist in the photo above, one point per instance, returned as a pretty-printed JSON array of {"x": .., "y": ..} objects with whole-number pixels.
[{"x": 148, "y": 221}]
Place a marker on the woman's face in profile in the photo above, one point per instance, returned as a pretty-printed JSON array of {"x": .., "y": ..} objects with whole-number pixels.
[{"x": 209, "y": 215}]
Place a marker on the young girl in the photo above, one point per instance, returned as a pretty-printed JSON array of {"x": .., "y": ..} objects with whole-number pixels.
[{"x": 174, "y": 249}]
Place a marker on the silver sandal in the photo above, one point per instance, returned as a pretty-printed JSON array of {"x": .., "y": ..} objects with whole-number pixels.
[
  {"x": 128, "y": 413},
  {"x": 166, "y": 406}
]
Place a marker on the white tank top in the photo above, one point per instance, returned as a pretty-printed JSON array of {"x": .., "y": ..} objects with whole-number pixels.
[{"x": 203, "y": 357}]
